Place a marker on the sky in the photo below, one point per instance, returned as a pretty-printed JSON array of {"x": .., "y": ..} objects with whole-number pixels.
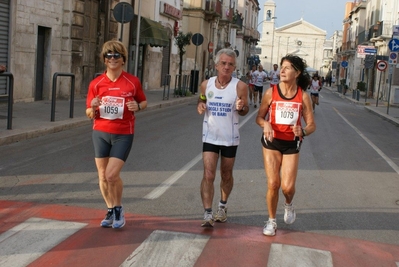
[{"x": 324, "y": 14}]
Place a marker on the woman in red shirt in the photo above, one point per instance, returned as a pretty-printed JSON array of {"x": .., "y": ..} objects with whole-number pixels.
[
  {"x": 284, "y": 104},
  {"x": 112, "y": 100}
]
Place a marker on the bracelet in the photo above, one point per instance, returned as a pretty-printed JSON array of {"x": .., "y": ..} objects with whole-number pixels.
[
  {"x": 303, "y": 132},
  {"x": 202, "y": 97}
]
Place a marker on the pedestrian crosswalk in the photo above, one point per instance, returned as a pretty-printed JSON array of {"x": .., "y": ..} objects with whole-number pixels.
[
  {"x": 30, "y": 239},
  {"x": 49, "y": 235}
]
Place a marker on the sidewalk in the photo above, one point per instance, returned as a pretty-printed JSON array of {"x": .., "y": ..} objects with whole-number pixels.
[
  {"x": 33, "y": 119},
  {"x": 30, "y": 120},
  {"x": 390, "y": 113}
]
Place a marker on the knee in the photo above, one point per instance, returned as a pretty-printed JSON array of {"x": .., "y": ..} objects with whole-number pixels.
[
  {"x": 288, "y": 189},
  {"x": 273, "y": 185},
  {"x": 209, "y": 176},
  {"x": 111, "y": 178}
]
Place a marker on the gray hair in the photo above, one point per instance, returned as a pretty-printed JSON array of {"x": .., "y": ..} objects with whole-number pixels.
[{"x": 227, "y": 51}]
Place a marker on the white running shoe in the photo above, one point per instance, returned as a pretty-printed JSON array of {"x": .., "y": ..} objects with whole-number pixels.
[
  {"x": 208, "y": 220},
  {"x": 289, "y": 213},
  {"x": 270, "y": 228}
]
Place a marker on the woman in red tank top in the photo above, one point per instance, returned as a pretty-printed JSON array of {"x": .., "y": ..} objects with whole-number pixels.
[{"x": 283, "y": 106}]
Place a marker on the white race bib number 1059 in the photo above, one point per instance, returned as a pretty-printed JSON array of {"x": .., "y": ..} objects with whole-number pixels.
[{"x": 112, "y": 107}]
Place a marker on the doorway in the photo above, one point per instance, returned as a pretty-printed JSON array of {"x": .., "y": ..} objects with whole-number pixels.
[{"x": 42, "y": 58}]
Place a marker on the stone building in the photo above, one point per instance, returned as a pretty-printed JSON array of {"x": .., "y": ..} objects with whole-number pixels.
[
  {"x": 299, "y": 37},
  {"x": 40, "y": 38}
]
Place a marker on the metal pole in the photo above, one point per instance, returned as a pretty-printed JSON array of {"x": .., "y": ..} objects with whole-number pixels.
[
  {"x": 390, "y": 82},
  {"x": 378, "y": 91},
  {"x": 367, "y": 86},
  {"x": 136, "y": 58},
  {"x": 123, "y": 22}
]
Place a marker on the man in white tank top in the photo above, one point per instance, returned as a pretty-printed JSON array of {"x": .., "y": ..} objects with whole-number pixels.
[{"x": 223, "y": 99}]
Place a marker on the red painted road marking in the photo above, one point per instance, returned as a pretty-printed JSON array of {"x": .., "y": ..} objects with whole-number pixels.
[{"x": 228, "y": 244}]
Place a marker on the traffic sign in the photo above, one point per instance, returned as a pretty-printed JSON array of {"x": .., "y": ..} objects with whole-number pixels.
[
  {"x": 197, "y": 39},
  {"x": 382, "y": 65},
  {"x": 393, "y": 45},
  {"x": 344, "y": 64},
  {"x": 370, "y": 51},
  {"x": 393, "y": 58},
  {"x": 210, "y": 47}
]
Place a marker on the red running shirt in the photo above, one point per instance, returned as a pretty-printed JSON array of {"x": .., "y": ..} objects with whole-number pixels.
[
  {"x": 113, "y": 116},
  {"x": 285, "y": 113}
]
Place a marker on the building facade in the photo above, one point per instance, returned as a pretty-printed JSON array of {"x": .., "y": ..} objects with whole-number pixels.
[
  {"x": 368, "y": 27},
  {"x": 299, "y": 37}
]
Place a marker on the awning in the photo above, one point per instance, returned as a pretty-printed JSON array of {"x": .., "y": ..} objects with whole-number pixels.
[{"x": 151, "y": 33}]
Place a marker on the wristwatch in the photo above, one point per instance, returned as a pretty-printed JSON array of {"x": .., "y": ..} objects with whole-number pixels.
[
  {"x": 244, "y": 108},
  {"x": 303, "y": 132}
]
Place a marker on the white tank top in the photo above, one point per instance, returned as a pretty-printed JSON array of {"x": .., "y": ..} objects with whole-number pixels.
[{"x": 221, "y": 120}]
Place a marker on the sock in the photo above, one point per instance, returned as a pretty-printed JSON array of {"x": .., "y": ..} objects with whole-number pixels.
[
  {"x": 272, "y": 220},
  {"x": 222, "y": 203},
  {"x": 209, "y": 210},
  {"x": 110, "y": 210}
]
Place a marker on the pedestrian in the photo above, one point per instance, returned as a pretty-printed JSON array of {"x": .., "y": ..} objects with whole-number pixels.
[
  {"x": 315, "y": 87},
  {"x": 3, "y": 68},
  {"x": 222, "y": 99},
  {"x": 112, "y": 101},
  {"x": 260, "y": 78},
  {"x": 251, "y": 82},
  {"x": 274, "y": 75},
  {"x": 279, "y": 116}
]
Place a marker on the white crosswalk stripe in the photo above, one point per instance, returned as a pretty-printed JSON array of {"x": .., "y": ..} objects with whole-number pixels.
[
  {"x": 286, "y": 255},
  {"x": 165, "y": 248},
  {"x": 27, "y": 241}
]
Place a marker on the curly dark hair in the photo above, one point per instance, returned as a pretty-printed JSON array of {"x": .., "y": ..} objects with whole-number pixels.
[{"x": 298, "y": 64}]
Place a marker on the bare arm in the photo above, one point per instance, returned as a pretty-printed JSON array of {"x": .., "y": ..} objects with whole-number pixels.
[
  {"x": 262, "y": 112},
  {"x": 242, "y": 98},
  {"x": 308, "y": 115},
  {"x": 201, "y": 106}
]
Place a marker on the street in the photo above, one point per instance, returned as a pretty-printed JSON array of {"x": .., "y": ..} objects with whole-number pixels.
[{"x": 347, "y": 185}]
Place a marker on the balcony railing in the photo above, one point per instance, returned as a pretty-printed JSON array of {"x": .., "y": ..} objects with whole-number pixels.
[{"x": 214, "y": 7}]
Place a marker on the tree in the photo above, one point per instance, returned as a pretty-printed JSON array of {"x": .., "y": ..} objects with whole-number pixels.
[{"x": 182, "y": 40}]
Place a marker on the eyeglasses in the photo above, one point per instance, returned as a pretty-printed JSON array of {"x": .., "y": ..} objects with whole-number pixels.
[{"x": 109, "y": 56}]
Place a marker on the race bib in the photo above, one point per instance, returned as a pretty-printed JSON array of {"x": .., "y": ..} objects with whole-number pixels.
[
  {"x": 112, "y": 107},
  {"x": 287, "y": 113}
]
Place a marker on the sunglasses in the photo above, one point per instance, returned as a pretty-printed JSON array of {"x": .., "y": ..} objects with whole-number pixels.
[{"x": 109, "y": 56}]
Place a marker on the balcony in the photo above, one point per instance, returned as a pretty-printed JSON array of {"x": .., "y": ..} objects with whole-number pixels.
[
  {"x": 213, "y": 8},
  {"x": 237, "y": 22}
]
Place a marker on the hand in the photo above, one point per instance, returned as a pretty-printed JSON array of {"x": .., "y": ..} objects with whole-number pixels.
[
  {"x": 201, "y": 107},
  {"x": 132, "y": 105},
  {"x": 297, "y": 130},
  {"x": 239, "y": 104},
  {"x": 95, "y": 102},
  {"x": 268, "y": 131}
]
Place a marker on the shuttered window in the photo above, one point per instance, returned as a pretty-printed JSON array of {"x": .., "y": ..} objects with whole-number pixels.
[{"x": 4, "y": 33}]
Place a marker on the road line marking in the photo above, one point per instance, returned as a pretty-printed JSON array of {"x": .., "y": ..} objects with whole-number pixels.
[
  {"x": 29, "y": 240},
  {"x": 286, "y": 255},
  {"x": 166, "y": 248},
  {"x": 159, "y": 190},
  {"x": 385, "y": 157}
]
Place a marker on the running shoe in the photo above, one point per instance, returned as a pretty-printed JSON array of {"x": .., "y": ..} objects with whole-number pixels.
[
  {"x": 289, "y": 214},
  {"x": 208, "y": 220},
  {"x": 119, "y": 218},
  {"x": 109, "y": 219},
  {"x": 221, "y": 214},
  {"x": 270, "y": 228}
]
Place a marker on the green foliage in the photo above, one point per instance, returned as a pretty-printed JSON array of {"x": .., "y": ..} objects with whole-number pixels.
[
  {"x": 361, "y": 86},
  {"x": 182, "y": 40}
]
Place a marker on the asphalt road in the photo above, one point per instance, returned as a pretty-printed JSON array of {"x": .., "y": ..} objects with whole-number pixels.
[{"x": 347, "y": 186}]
